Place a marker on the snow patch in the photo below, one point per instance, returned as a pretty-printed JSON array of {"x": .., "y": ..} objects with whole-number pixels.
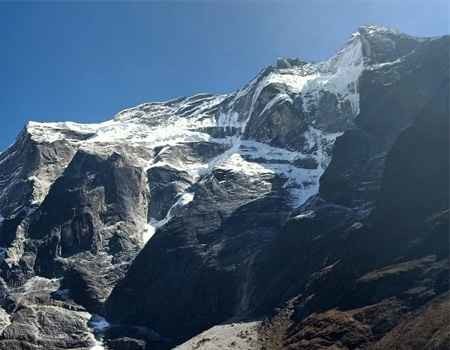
[
  {"x": 301, "y": 182},
  {"x": 377, "y": 29},
  {"x": 306, "y": 215},
  {"x": 182, "y": 200},
  {"x": 38, "y": 283},
  {"x": 186, "y": 198},
  {"x": 236, "y": 163},
  {"x": 148, "y": 233},
  {"x": 98, "y": 325},
  {"x": 228, "y": 120},
  {"x": 386, "y": 64},
  {"x": 98, "y": 344}
]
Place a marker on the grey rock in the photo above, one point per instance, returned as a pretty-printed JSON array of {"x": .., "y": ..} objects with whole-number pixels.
[{"x": 126, "y": 344}]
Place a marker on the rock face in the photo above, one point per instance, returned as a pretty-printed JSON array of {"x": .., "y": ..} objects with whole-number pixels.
[
  {"x": 385, "y": 264},
  {"x": 313, "y": 202}
]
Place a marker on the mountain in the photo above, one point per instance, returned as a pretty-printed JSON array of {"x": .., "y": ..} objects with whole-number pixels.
[{"x": 307, "y": 210}]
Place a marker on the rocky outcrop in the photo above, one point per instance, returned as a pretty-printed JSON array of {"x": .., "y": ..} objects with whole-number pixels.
[
  {"x": 36, "y": 322},
  {"x": 425, "y": 329},
  {"x": 403, "y": 89},
  {"x": 382, "y": 268},
  {"x": 209, "y": 247}
]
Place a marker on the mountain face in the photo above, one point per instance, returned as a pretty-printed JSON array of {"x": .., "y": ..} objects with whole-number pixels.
[{"x": 307, "y": 210}]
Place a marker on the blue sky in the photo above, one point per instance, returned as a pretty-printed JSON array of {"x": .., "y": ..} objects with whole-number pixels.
[{"x": 85, "y": 61}]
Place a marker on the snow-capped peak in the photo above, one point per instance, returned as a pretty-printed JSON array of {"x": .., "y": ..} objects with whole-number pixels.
[
  {"x": 339, "y": 76},
  {"x": 324, "y": 96},
  {"x": 377, "y": 29}
]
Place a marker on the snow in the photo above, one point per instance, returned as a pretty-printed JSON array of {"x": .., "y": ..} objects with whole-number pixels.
[
  {"x": 157, "y": 125},
  {"x": 183, "y": 200},
  {"x": 308, "y": 214},
  {"x": 339, "y": 76},
  {"x": 239, "y": 336},
  {"x": 183, "y": 120},
  {"x": 386, "y": 64},
  {"x": 98, "y": 325},
  {"x": 148, "y": 233},
  {"x": 302, "y": 183},
  {"x": 52, "y": 132},
  {"x": 39, "y": 283},
  {"x": 151, "y": 227},
  {"x": 257, "y": 150},
  {"x": 277, "y": 99},
  {"x": 95, "y": 323},
  {"x": 357, "y": 226},
  {"x": 5, "y": 320},
  {"x": 98, "y": 346},
  {"x": 140, "y": 130},
  {"x": 41, "y": 186},
  {"x": 377, "y": 29},
  {"x": 228, "y": 120},
  {"x": 249, "y": 158},
  {"x": 237, "y": 163},
  {"x": 343, "y": 73},
  {"x": 186, "y": 198},
  {"x": 295, "y": 78}
]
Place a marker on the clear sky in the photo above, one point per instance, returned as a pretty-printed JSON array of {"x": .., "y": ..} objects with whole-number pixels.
[{"x": 85, "y": 61}]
